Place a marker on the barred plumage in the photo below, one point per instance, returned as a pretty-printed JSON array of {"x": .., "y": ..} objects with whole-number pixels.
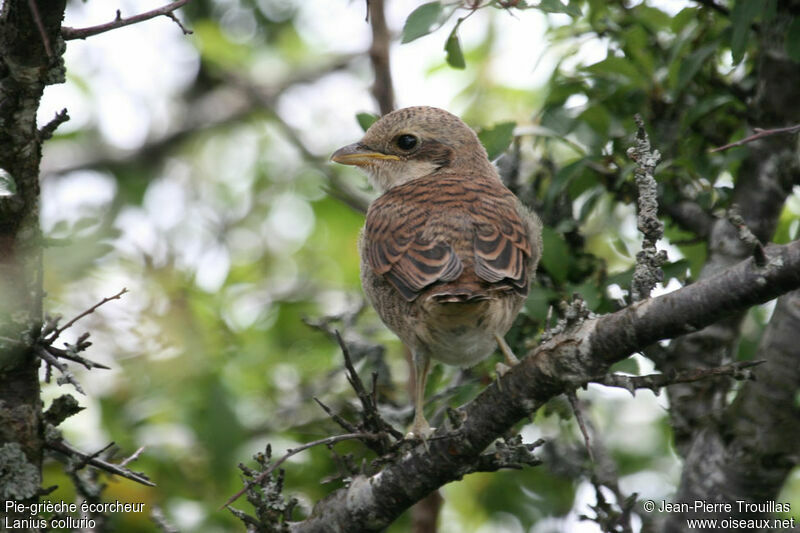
[{"x": 447, "y": 251}]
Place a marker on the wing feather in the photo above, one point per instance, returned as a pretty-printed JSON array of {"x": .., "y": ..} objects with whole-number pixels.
[{"x": 408, "y": 243}]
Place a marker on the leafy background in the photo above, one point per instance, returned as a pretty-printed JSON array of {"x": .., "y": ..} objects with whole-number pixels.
[{"x": 194, "y": 172}]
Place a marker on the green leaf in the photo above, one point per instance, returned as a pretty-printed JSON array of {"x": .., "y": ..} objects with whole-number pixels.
[
  {"x": 365, "y": 120},
  {"x": 497, "y": 138},
  {"x": 555, "y": 6},
  {"x": 618, "y": 67},
  {"x": 422, "y": 21},
  {"x": 742, "y": 16},
  {"x": 793, "y": 40},
  {"x": 455, "y": 57},
  {"x": 555, "y": 255},
  {"x": 692, "y": 65}
]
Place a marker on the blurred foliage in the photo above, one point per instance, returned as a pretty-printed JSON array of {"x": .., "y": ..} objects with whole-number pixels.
[{"x": 228, "y": 239}]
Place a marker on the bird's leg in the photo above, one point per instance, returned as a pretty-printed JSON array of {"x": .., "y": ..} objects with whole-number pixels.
[
  {"x": 511, "y": 359},
  {"x": 422, "y": 364}
]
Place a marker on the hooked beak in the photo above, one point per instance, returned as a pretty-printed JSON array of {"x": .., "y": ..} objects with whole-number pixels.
[{"x": 357, "y": 154}]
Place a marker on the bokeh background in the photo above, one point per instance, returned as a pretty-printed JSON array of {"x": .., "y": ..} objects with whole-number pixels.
[{"x": 193, "y": 171}]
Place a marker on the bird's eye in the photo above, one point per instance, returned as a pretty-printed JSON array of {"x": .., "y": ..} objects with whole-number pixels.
[{"x": 406, "y": 142}]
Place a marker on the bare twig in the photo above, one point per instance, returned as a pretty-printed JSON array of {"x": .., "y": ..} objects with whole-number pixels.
[
  {"x": 655, "y": 382},
  {"x": 48, "y": 129},
  {"x": 577, "y": 409},
  {"x": 293, "y": 451},
  {"x": 135, "y": 455},
  {"x": 92, "y": 309},
  {"x": 347, "y": 426},
  {"x": 372, "y": 419},
  {"x": 40, "y": 26},
  {"x": 66, "y": 375},
  {"x": 119, "y": 22},
  {"x": 65, "y": 448},
  {"x": 648, "y": 261},
  {"x": 64, "y": 354},
  {"x": 759, "y": 134}
]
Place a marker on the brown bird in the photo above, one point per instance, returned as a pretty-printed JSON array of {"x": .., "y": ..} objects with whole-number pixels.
[{"x": 447, "y": 252}]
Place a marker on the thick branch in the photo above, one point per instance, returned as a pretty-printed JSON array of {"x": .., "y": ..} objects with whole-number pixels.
[
  {"x": 749, "y": 457},
  {"x": 566, "y": 360}
]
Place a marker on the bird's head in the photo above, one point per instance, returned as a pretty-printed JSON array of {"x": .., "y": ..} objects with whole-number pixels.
[{"x": 412, "y": 143}]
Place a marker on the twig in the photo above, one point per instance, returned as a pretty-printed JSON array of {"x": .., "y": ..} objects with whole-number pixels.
[
  {"x": 40, "y": 26},
  {"x": 135, "y": 455},
  {"x": 63, "y": 447},
  {"x": 655, "y": 382},
  {"x": 119, "y": 22},
  {"x": 759, "y": 133},
  {"x": 64, "y": 354},
  {"x": 372, "y": 419},
  {"x": 83, "y": 461},
  {"x": 347, "y": 426},
  {"x": 48, "y": 129},
  {"x": 577, "y": 409},
  {"x": 647, "y": 271},
  {"x": 293, "y": 451},
  {"x": 59, "y": 331},
  {"x": 67, "y": 376}
]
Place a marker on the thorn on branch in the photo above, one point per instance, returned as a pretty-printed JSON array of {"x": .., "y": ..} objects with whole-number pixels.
[
  {"x": 61, "y": 408},
  {"x": 747, "y": 236},
  {"x": 167, "y": 11},
  {"x": 80, "y": 460},
  {"x": 46, "y": 131},
  {"x": 66, "y": 375},
  {"x": 648, "y": 261}
]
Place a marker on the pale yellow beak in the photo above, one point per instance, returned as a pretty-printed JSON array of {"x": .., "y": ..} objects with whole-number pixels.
[{"x": 357, "y": 154}]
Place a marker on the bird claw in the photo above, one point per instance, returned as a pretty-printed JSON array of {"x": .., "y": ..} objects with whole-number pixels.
[
  {"x": 421, "y": 433},
  {"x": 501, "y": 369}
]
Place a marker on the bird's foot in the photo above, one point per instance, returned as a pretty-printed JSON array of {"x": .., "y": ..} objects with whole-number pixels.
[
  {"x": 508, "y": 353},
  {"x": 501, "y": 369},
  {"x": 420, "y": 430}
]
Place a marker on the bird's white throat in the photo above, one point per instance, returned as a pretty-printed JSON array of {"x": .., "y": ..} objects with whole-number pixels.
[{"x": 387, "y": 174}]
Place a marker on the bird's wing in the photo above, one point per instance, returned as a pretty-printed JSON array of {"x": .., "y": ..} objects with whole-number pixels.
[
  {"x": 407, "y": 239},
  {"x": 397, "y": 246},
  {"x": 502, "y": 246}
]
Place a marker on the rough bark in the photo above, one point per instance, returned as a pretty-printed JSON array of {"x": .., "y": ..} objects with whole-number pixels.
[
  {"x": 565, "y": 361},
  {"x": 738, "y": 452},
  {"x": 764, "y": 180},
  {"x": 747, "y": 457},
  {"x": 30, "y": 59}
]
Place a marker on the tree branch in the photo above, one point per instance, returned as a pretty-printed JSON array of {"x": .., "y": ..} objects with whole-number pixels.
[
  {"x": 82, "y": 33},
  {"x": 759, "y": 134},
  {"x": 563, "y": 362},
  {"x": 382, "y": 87}
]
